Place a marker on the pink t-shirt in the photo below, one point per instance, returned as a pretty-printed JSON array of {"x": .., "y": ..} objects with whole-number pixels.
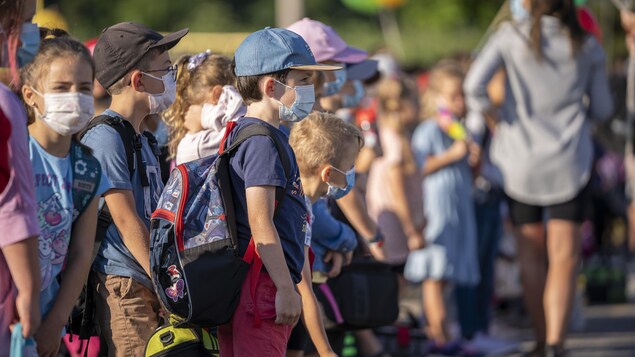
[
  {"x": 380, "y": 198},
  {"x": 18, "y": 217}
]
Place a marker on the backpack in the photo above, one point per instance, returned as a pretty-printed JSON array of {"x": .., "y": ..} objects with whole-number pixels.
[
  {"x": 363, "y": 296},
  {"x": 132, "y": 145},
  {"x": 82, "y": 319},
  {"x": 196, "y": 267},
  {"x": 169, "y": 340}
]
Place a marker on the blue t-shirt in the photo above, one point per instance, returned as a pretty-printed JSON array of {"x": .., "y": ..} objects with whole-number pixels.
[
  {"x": 114, "y": 258},
  {"x": 53, "y": 177},
  {"x": 256, "y": 163}
]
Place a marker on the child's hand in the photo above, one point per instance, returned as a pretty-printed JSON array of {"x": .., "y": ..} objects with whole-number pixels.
[
  {"x": 193, "y": 118},
  {"x": 48, "y": 338},
  {"x": 416, "y": 241},
  {"x": 475, "y": 154},
  {"x": 458, "y": 150},
  {"x": 337, "y": 260},
  {"x": 29, "y": 314},
  {"x": 288, "y": 306}
]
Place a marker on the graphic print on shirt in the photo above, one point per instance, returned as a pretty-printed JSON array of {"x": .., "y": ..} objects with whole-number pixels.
[{"x": 55, "y": 221}]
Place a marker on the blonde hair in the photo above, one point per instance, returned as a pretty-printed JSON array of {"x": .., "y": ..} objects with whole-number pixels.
[
  {"x": 191, "y": 85},
  {"x": 444, "y": 70},
  {"x": 322, "y": 138}
]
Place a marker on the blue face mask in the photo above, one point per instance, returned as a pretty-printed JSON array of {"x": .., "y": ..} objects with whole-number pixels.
[
  {"x": 519, "y": 13},
  {"x": 352, "y": 101},
  {"x": 302, "y": 105},
  {"x": 30, "y": 40},
  {"x": 338, "y": 192},
  {"x": 331, "y": 88}
]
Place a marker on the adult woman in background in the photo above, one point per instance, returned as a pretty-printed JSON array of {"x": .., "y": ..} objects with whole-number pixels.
[{"x": 556, "y": 87}]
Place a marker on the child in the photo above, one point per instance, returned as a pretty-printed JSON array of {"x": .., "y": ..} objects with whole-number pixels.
[
  {"x": 394, "y": 196},
  {"x": 57, "y": 88},
  {"x": 325, "y": 148},
  {"x": 19, "y": 268},
  {"x": 132, "y": 63},
  {"x": 273, "y": 67},
  {"x": 206, "y": 100},
  {"x": 450, "y": 251}
]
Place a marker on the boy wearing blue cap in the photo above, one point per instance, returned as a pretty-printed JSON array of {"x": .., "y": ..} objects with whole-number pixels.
[{"x": 273, "y": 67}]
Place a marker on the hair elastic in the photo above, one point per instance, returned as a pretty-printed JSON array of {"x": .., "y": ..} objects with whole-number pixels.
[{"x": 197, "y": 60}]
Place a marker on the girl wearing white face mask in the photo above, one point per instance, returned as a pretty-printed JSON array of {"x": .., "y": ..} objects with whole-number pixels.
[
  {"x": 57, "y": 87},
  {"x": 206, "y": 101}
]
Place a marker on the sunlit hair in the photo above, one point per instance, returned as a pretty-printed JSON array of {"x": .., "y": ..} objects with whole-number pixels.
[
  {"x": 56, "y": 43},
  {"x": 11, "y": 21},
  {"x": 323, "y": 138},
  {"x": 192, "y": 86},
  {"x": 442, "y": 72},
  {"x": 566, "y": 12}
]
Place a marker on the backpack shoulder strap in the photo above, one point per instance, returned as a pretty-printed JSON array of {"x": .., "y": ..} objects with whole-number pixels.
[
  {"x": 86, "y": 178},
  {"x": 127, "y": 136},
  {"x": 261, "y": 130}
]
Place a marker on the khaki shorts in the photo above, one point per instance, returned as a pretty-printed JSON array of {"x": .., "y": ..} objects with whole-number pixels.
[
  {"x": 629, "y": 166},
  {"x": 127, "y": 313}
]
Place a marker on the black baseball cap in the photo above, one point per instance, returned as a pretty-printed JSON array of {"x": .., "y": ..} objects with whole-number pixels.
[{"x": 121, "y": 46}]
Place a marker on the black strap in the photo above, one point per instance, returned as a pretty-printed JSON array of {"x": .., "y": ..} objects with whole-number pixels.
[
  {"x": 258, "y": 130},
  {"x": 132, "y": 145},
  {"x": 225, "y": 182}
]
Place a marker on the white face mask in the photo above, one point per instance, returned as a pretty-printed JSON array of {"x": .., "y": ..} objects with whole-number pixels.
[
  {"x": 66, "y": 113},
  {"x": 162, "y": 101},
  {"x": 302, "y": 105}
]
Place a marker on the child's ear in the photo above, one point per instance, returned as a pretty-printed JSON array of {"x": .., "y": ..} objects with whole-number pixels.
[
  {"x": 136, "y": 81},
  {"x": 268, "y": 87},
  {"x": 27, "y": 94},
  {"x": 215, "y": 93},
  {"x": 325, "y": 173}
]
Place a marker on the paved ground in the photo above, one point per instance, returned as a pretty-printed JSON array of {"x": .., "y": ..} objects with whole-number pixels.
[{"x": 609, "y": 331}]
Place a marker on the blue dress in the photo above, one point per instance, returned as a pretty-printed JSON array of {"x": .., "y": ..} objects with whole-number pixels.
[{"x": 451, "y": 243}]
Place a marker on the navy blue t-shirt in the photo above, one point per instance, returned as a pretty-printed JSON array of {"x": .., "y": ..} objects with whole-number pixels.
[{"x": 256, "y": 163}]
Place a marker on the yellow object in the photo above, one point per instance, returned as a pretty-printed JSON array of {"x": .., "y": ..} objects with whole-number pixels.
[
  {"x": 50, "y": 18},
  {"x": 169, "y": 340},
  {"x": 457, "y": 131}
]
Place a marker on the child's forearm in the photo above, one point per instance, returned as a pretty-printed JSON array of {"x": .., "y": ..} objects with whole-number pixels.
[
  {"x": 23, "y": 262},
  {"x": 311, "y": 312},
  {"x": 438, "y": 162},
  {"x": 355, "y": 211},
  {"x": 396, "y": 184}
]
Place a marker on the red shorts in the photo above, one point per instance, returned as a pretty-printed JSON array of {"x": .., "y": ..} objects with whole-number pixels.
[{"x": 241, "y": 338}]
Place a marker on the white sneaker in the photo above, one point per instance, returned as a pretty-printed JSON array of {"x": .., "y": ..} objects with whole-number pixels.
[{"x": 490, "y": 346}]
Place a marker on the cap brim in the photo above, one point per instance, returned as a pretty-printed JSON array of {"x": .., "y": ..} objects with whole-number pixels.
[
  {"x": 170, "y": 40},
  {"x": 350, "y": 55},
  {"x": 317, "y": 67},
  {"x": 362, "y": 71}
]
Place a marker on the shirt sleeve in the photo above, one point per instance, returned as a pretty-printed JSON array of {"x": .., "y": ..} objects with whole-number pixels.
[
  {"x": 600, "y": 99},
  {"x": 260, "y": 163},
  {"x": 18, "y": 207},
  {"x": 482, "y": 70},
  {"x": 108, "y": 148},
  {"x": 423, "y": 142}
]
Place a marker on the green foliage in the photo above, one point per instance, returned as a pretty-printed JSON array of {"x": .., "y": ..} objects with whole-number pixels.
[{"x": 429, "y": 28}]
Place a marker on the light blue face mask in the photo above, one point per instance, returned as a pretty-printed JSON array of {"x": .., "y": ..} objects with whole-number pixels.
[
  {"x": 331, "y": 88},
  {"x": 519, "y": 13},
  {"x": 302, "y": 105},
  {"x": 30, "y": 40},
  {"x": 352, "y": 101},
  {"x": 338, "y": 192}
]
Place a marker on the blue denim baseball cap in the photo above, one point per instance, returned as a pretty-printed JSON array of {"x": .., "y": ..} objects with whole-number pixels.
[{"x": 275, "y": 49}]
